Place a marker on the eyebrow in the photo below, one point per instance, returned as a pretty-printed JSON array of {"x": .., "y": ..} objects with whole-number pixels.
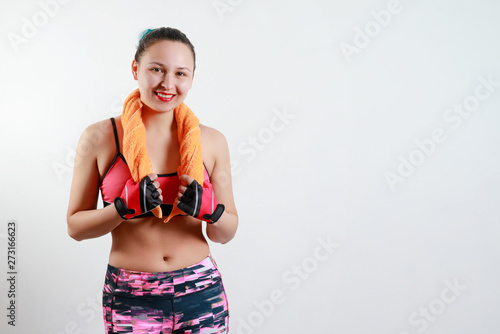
[{"x": 181, "y": 68}]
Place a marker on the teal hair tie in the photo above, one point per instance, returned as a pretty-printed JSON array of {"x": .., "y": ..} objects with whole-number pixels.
[{"x": 145, "y": 33}]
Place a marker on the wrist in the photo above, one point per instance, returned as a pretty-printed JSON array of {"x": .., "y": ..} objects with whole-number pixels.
[
  {"x": 214, "y": 216},
  {"x": 120, "y": 208}
]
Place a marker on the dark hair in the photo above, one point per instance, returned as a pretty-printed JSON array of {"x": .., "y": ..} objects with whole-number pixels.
[{"x": 151, "y": 36}]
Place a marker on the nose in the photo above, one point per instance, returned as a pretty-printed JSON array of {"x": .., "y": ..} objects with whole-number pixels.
[{"x": 168, "y": 81}]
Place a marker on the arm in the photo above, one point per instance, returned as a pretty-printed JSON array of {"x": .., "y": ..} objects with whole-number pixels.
[
  {"x": 224, "y": 229},
  {"x": 84, "y": 220},
  {"x": 193, "y": 199}
]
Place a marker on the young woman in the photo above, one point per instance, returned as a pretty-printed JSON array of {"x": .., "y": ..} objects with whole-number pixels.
[{"x": 161, "y": 277}]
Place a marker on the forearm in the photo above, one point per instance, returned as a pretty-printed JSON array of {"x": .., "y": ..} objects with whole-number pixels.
[
  {"x": 90, "y": 224},
  {"x": 224, "y": 229}
]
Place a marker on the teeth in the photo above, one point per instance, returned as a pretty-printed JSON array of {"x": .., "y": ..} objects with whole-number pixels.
[{"x": 164, "y": 95}]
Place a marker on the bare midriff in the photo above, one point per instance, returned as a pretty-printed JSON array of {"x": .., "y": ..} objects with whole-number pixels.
[{"x": 150, "y": 245}]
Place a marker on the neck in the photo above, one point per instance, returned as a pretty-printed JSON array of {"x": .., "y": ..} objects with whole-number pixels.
[{"x": 158, "y": 122}]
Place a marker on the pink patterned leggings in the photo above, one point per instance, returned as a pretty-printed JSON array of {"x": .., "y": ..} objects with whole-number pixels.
[{"x": 189, "y": 300}]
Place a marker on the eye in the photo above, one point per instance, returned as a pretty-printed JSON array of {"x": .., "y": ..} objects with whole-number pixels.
[
  {"x": 181, "y": 74},
  {"x": 157, "y": 69}
]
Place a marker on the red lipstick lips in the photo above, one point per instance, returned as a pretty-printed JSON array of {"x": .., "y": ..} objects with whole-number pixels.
[{"x": 164, "y": 96}]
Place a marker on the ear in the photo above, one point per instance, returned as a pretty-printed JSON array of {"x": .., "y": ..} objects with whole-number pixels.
[{"x": 134, "y": 69}]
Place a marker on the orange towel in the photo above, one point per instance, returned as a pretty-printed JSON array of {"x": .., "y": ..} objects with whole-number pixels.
[{"x": 134, "y": 144}]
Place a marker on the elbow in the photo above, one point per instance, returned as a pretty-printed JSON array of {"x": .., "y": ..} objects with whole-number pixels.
[
  {"x": 223, "y": 242},
  {"x": 231, "y": 235},
  {"x": 227, "y": 238},
  {"x": 223, "y": 239},
  {"x": 72, "y": 232},
  {"x": 219, "y": 237}
]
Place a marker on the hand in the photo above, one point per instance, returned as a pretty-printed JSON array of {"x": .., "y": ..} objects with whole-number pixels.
[
  {"x": 139, "y": 198},
  {"x": 198, "y": 201}
]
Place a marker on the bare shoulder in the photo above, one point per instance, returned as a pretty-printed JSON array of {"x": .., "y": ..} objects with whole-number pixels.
[
  {"x": 96, "y": 131},
  {"x": 214, "y": 147},
  {"x": 97, "y": 142},
  {"x": 211, "y": 135}
]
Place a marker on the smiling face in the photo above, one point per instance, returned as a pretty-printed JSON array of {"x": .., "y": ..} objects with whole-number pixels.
[{"x": 165, "y": 75}]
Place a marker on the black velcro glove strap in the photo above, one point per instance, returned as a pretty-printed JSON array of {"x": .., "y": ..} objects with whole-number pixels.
[
  {"x": 190, "y": 201},
  {"x": 214, "y": 217},
  {"x": 121, "y": 208}
]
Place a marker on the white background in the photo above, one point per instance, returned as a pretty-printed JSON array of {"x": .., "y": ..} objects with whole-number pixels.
[{"x": 321, "y": 178}]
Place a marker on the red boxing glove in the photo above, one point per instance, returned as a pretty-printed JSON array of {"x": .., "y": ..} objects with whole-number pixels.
[
  {"x": 137, "y": 198},
  {"x": 200, "y": 202}
]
